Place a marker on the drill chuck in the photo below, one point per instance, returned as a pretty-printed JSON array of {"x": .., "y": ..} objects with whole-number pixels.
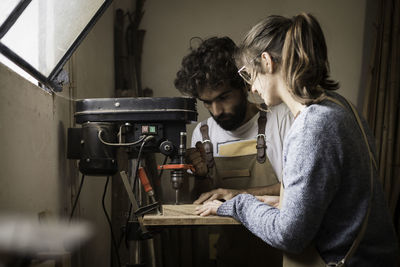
[{"x": 176, "y": 179}]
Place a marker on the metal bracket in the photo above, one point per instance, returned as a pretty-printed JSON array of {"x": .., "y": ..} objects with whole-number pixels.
[
  {"x": 60, "y": 80},
  {"x": 146, "y": 209}
]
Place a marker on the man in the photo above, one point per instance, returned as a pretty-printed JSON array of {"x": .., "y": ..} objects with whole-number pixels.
[{"x": 239, "y": 148}]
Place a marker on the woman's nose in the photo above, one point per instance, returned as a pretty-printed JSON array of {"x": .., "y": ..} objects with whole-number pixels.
[{"x": 253, "y": 89}]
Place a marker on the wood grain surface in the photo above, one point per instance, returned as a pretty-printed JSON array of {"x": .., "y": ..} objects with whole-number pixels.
[{"x": 184, "y": 215}]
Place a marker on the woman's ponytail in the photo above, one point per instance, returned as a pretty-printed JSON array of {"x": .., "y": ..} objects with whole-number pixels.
[
  {"x": 298, "y": 47},
  {"x": 304, "y": 60}
]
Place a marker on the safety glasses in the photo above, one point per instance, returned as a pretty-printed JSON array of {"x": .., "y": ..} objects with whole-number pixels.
[{"x": 248, "y": 76}]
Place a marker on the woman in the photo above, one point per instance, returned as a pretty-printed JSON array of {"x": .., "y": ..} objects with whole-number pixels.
[{"x": 330, "y": 184}]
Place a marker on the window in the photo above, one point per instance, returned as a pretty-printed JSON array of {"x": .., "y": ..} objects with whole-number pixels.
[{"x": 40, "y": 35}]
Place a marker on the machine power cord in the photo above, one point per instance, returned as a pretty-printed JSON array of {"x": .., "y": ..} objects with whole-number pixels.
[
  {"x": 77, "y": 198},
  {"x": 127, "y": 229},
  {"x": 138, "y": 161},
  {"x": 114, "y": 243},
  {"x": 105, "y": 212}
]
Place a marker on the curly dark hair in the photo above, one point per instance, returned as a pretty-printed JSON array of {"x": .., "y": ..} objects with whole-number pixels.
[{"x": 208, "y": 66}]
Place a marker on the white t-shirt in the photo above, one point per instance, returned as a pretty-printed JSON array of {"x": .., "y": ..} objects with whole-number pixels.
[{"x": 279, "y": 121}]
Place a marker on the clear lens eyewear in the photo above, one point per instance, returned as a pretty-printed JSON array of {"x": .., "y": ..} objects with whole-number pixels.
[{"x": 245, "y": 75}]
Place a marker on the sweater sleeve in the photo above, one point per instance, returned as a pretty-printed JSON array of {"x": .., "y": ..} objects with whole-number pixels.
[{"x": 311, "y": 164}]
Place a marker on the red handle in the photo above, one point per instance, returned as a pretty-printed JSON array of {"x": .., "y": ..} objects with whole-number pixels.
[
  {"x": 176, "y": 167},
  {"x": 145, "y": 181}
]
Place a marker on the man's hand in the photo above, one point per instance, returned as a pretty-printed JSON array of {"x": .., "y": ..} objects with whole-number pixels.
[
  {"x": 219, "y": 193},
  {"x": 197, "y": 157},
  {"x": 208, "y": 208},
  {"x": 270, "y": 200}
]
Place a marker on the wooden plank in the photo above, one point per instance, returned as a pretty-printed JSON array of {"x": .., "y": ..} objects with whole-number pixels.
[{"x": 184, "y": 215}]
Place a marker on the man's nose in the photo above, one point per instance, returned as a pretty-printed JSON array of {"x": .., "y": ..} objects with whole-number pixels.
[{"x": 216, "y": 108}]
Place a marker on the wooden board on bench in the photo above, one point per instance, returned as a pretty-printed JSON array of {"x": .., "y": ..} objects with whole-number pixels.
[{"x": 184, "y": 215}]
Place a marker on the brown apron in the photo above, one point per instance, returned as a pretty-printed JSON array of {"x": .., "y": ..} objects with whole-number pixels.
[
  {"x": 242, "y": 172},
  {"x": 310, "y": 256},
  {"x": 236, "y": 246}
]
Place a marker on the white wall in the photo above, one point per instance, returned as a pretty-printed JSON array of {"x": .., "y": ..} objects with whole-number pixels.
[
  {"x": 93, "y": 64},
  {"x": 35, "y": 175},
  {"x": 32, "y": 164},
  {"x": 170, "y": 24}
]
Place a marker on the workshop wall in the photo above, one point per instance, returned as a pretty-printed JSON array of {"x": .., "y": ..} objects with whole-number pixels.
[
  {"x": 32, "y": 141},
  {"x": 35, "y": 176},
  {"x": 170, "y": 24},
  {"x": 93, "y": 72}
]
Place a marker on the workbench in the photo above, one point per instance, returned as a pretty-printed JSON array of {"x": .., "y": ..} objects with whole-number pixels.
[
  {"x": 187, "y": 239},
  {"x": 173, "y": 215}
]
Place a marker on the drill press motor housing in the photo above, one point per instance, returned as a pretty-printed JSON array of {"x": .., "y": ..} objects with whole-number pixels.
[{"x": 140, "y": 124}]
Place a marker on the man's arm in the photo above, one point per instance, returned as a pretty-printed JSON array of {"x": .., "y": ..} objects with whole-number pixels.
[
  {"x": 226, "y": 194},
  {"x": 271, "y": 190}
]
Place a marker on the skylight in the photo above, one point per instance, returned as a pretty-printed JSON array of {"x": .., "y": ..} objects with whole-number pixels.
[{"x": 40, "y": 35}]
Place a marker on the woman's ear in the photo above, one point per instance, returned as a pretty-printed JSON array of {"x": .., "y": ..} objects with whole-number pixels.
[{"x": 267, "y": 63}]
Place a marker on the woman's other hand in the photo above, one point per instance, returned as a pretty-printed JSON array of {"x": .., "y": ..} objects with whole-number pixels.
[{"x": 208, "y": 208}]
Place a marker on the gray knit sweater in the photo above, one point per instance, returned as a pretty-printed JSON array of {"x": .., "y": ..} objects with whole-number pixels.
[{"x": 326, "y": 178}]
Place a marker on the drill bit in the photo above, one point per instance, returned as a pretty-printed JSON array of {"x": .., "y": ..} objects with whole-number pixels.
[{"x": 176, "y": 196}]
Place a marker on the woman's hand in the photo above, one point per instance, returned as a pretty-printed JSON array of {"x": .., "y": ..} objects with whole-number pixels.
[
  {"x": 270, "y": 200},
  {"x": 208, "y": 208}
]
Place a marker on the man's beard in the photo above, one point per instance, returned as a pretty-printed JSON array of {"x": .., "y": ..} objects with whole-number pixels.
[{"x": 232, "y": 121}]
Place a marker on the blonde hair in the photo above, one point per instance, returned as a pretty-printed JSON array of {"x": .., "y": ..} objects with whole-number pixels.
[{"x": 298, "y": 46}]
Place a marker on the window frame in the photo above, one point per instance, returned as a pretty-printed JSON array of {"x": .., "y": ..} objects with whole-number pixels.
[{"x": 50, "y": 81}]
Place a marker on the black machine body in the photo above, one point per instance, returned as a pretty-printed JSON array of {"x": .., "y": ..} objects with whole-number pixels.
[{"x": 109, "y": 123}]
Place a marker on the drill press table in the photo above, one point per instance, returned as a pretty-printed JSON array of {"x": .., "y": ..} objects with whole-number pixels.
[{"x": 184, "y": 215}]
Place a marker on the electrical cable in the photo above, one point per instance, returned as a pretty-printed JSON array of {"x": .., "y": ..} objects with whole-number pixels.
[
  {"x": 77, "y": 197},
  {"x": 137, "y": 166},
  {"x": 114, "y": 243},
  {"x": 127, "y": 230},
  {"x": 119, "y": 144}
]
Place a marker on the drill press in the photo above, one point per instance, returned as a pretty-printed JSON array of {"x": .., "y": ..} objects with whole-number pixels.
[
  {"x": 109, "y": 123},
  {"x": 137, "y": 125}
]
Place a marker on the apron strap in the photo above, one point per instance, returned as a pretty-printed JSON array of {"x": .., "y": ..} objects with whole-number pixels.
[
  {"x": 208, "y": 146},
  {"x": 261, "y": 146},
  {"x": 360, "y": 234}
]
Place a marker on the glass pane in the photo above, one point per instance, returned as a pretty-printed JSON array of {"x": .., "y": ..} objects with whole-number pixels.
[
  {"x": 47, "y": 28},
  {"x": 6, "y": 6},
  {"x": 18, "y": 70}
]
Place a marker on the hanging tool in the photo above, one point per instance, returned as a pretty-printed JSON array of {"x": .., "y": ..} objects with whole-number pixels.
[{"x": 147, "y": 186}]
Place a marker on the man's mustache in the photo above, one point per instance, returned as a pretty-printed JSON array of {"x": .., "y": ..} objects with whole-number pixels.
[{"x": 222, "y": 117}]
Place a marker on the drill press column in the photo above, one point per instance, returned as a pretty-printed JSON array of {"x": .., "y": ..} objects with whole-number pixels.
[{"x": 177, "y": 175}]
